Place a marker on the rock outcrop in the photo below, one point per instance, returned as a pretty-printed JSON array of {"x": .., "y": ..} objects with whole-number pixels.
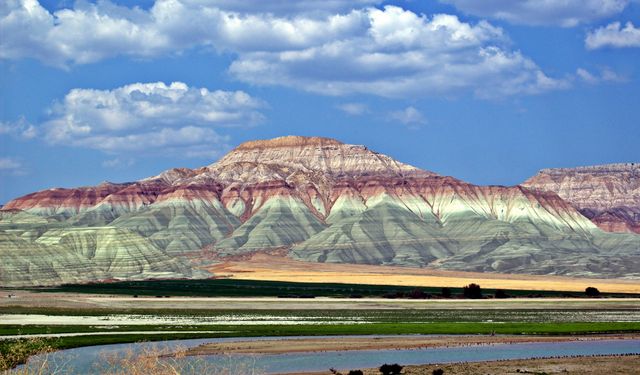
[
  {"x": 317, "y": 198},
  {"x": 609, "y": 195}
]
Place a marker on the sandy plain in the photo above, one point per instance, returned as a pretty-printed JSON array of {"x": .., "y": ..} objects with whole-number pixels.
[{"x": 262, "y": 266}]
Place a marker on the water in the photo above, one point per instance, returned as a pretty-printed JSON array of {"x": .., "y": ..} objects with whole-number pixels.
[{"x": 83, "y": 360}]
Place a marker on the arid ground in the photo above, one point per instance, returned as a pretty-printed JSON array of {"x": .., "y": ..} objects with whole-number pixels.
[
  {"x": 277, "y": 268},
  {"x": 626, "y": 365},
  {"x": 82, "y": 302}
]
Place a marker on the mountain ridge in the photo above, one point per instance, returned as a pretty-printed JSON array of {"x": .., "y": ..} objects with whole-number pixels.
[{"x": 323, "y": 201}]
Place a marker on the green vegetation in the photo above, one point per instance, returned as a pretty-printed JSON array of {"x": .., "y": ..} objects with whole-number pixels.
[
  {"x": 242, "y": 330},
  {"x": 16, "y": 352},
  {"x": 255, "y": 288}
]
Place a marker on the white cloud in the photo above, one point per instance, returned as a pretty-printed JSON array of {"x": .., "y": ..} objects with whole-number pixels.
[
  {"x": 586, "y": 76},
  {"x": 402, "y": 54},
  {"x": 354, "y": 109},
  {"x": 11, "y": 166},
  {"x": 605, "y": 75},
  {"x": 565, "y": 13},
  {"x": 614, "y": 36},
  {"x": 150, "y": 118},
  {"x": 409, "y": 116},
  {"x": 290, "y": 7},
  {"x": 20, "y": 128},
  {"x": 92, "y": 32},
  {"x": 389, "y": 52},
  {"x": 118, "y": 163}
]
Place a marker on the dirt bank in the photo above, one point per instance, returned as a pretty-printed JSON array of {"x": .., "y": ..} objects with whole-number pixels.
[{"x": 565, "y": 366}]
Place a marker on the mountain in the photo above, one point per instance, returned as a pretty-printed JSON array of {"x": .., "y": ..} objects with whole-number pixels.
[
  {"x": 314, "y": 199},
  {"x": 609, "y": 195}
]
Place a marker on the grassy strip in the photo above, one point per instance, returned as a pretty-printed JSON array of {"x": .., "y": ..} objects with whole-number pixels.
[{"x": 260, "y": 288}]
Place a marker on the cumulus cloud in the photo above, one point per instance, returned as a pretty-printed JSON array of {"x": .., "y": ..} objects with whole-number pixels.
[
  {"x": 150, "y": 118},
  {"x": 290, "y": 7},
  {"x": 409, "y": 116},
  {"x": 354, "y": 109},
  {"x": 11, "y": 166},
  {"x": 92, "y": 32},
  {"x": 565, "y": 13},
  {"x": 614, "y": 36},
  {"x": 20, "y": 128},
  {"x": 388, "y": 52},
  {"x": 402, "y": 54}
]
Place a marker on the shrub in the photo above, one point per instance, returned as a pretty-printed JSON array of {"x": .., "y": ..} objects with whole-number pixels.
[
  {"x": 500, "y": 294},
  {"x": 438, "y": 371},
  {"x": 472, "y": 291},
  {"x": 417, "y": 293},
  {"x": 355, "y": 372},
  {"x": 393, "y": 369},
  {"x": 394, "y": 295},
  {"x": 592, "y": 292},
  {"x": 445, "y": 292}
]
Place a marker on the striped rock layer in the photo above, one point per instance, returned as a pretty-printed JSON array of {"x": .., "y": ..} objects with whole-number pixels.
[
  {"x": 318, "y": 199},
  {"x": 609, "y": 195}
]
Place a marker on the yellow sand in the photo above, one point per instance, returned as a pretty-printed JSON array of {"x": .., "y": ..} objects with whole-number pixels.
[{"x": 277, "y": 268}]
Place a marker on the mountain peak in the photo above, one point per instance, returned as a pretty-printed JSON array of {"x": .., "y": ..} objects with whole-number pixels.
[
  {"x": 282, "y": 158},
  {"x": 607, "y": 194},
  {"x": 287, "y": 141}
]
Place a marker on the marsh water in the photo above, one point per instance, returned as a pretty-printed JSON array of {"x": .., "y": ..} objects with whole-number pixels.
[{"x": 88, "y": 360}]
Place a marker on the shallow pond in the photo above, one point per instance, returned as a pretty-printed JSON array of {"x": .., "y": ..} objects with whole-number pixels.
[{"x": 84, "y": 360}]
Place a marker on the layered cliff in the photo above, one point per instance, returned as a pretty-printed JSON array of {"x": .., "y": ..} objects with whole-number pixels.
[
  {"x": 609, "y": 194},
  {"x": 320, "y": 200}
]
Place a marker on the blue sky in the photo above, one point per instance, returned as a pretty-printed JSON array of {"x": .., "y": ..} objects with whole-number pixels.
[{"x": 487, "y": 91}]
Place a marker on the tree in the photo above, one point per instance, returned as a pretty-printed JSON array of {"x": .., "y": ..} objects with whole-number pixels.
[
  {"x": 472, "y": 291},
  {"x": 393, "y": 369},
  {"x": 592, "y": 292},
  {"x": 445, "y": 292}
]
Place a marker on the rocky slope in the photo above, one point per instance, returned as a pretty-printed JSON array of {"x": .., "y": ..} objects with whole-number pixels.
[
  {"x": 320, "y": 200},
  {"x": 609, "y": 195}
]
